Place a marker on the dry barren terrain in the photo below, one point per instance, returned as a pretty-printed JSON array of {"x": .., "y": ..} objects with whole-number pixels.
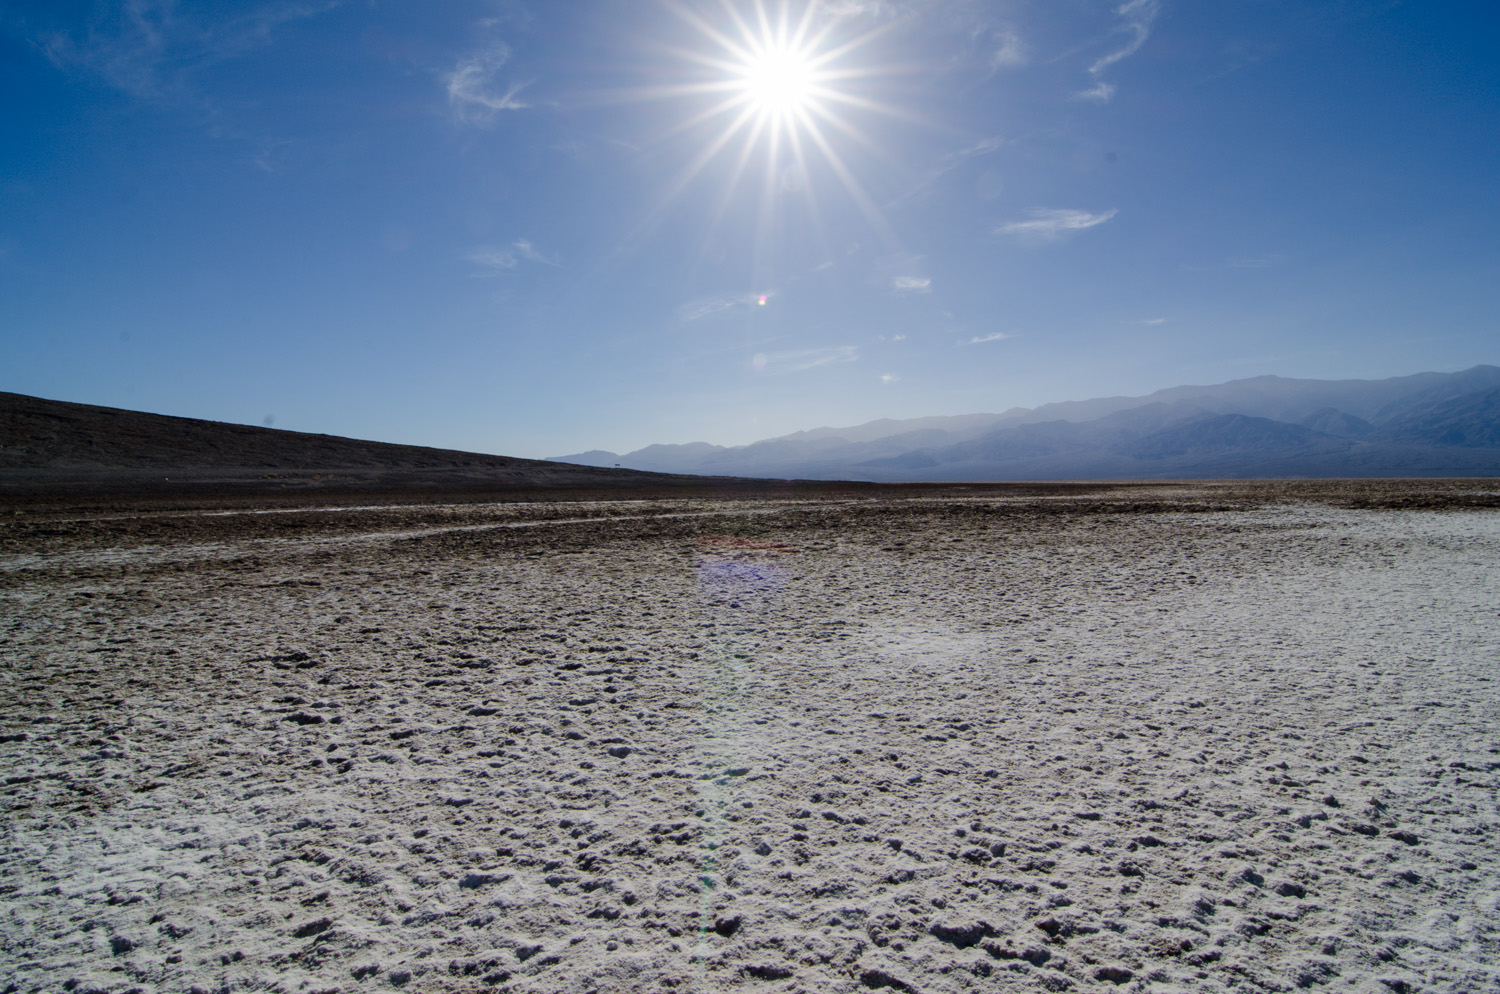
[{"x": 1229, "y": 737}]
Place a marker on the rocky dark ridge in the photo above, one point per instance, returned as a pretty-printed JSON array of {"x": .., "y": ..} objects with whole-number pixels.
[{"x": 50, "y": 446}]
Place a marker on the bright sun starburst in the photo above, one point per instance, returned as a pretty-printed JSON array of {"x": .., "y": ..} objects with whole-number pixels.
[
  {"x": 779, "y": 81},
  {"x": 772, "y": 73},
  {"x": 776, "y": 90}
]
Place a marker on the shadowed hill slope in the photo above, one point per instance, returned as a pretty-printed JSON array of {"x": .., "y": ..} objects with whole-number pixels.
[{"x": 56, "y": 446}]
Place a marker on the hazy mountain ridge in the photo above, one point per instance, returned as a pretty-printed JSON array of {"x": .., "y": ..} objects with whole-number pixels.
[{"x": 1425, "y": 424}]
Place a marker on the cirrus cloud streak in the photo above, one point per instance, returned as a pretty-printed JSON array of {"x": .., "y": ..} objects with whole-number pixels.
[
  {"x": 1049, "y": 223},
  {"x": 994, "y": 336},
  {"x": 470, "y": 93},
  {"x": 801, "y": 360}
]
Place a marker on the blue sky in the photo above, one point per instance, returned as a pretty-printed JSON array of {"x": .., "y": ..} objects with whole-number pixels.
[{"x": 538, "y": 228}]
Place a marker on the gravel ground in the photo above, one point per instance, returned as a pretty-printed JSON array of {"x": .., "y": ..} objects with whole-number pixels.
[{"x": 1213, "y": 738}]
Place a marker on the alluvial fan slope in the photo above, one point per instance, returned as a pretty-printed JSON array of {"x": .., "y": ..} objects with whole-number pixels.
[{"x": 1209, "y": 739}]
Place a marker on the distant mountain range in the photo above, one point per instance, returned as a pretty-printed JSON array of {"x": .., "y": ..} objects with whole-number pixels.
[{"x": 1427, "y": 424}]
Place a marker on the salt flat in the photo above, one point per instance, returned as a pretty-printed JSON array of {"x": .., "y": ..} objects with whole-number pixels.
[{"x": 1210, "y": 738}]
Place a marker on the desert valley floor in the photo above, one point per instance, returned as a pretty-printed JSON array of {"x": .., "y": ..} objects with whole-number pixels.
[{"x": 1237, "y": 737}]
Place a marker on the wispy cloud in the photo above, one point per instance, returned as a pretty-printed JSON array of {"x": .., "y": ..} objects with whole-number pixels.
[
  {"x": 1149, "y": 322},
  {"x": 472, "y": 94},
  {"x": 1250, "y": 262},
  {"x": 703, "y": 307},
  {"x": 1255, "y": 262},
  {"x": 165, "y": 53},
  {"x": 529, "y": 252},
  {"x": 889, "y": 378},
  {"x": 982, "y": 147},
  {"x": 150, "y": 49},
  {"x": 1136, "y": 18},
  {"x": 127, "y": 51},
  {"x": 801, "y": 360},
  {"x": 271, "y": 155},
  {"x": 859, "y": 8},
  {"x": 997, "y": 336},
  {"x": 900, "y": 273},
  {"x": 1007, "y": 51},
  {"x": 494, "y": 261},
  {"x": 1046, "y": 223},
  {"x": 947, "y": 164}
]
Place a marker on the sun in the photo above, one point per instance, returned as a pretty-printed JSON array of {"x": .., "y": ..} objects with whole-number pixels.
[
  {"x": 774, "y": 77},
  {"x": 774, "y": 98},
  {"x": 779, "y": 81}
]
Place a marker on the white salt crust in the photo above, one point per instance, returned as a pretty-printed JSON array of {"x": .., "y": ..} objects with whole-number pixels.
[{"x": 935, "y": 746}]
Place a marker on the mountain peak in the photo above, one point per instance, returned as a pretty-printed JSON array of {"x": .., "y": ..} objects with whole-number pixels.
[{"x": 1427, "y": 424}]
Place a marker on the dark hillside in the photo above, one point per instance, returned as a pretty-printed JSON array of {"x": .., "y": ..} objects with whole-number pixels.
[{"x": 50, "y": 445}]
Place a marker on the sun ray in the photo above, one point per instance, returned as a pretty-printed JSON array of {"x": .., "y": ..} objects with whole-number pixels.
[
  {"x": 856, "y": 190},
  {"x": 726, "y": 196},
  {"x": 711, "y": 151},
  {"x": 853, "y": 134},
  {"x": 814, "y": 206},
  {"x": 781, "y": 102},
  {"x": 706, "y": 115},
  {"x": 689, "y": 172}
]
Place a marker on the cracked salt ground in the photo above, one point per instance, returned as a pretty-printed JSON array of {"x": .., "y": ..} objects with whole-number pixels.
[
  {"x": 939, "y": 747},
  {"x": 603, "y": 512},
  {"x": 1303, "y": 627}
]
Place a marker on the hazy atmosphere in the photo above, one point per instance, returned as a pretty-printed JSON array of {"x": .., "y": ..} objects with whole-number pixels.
[
  {"x": 934, "y": 496},
  {"x": 536, "y": 229}
]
